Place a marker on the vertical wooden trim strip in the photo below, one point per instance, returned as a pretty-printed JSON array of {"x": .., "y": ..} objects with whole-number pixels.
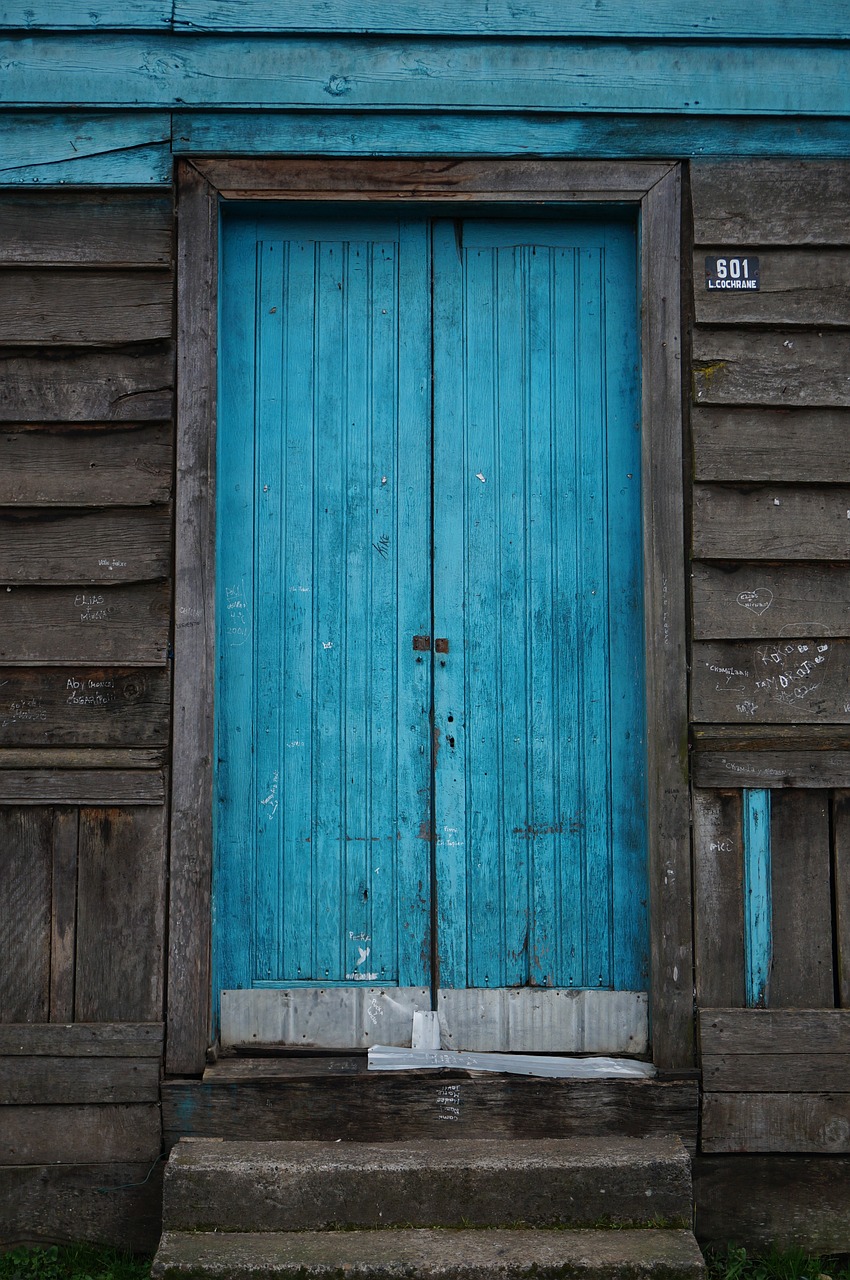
[
  {"x": 841, "y": 879},
  {"x": 194, "y": 633},
  {"x": 758, "y": 913},
  {"x": 64, "y": 929},
  {"x": 664, "y": 577}
]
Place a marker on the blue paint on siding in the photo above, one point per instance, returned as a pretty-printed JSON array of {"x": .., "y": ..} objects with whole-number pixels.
[{"x": 758, "y": 943}]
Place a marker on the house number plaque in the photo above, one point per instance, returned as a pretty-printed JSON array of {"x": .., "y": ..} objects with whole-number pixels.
[{"x": 734, "y": 273}]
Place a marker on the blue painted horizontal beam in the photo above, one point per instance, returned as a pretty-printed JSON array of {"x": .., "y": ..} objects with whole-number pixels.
[
  {"x": 101, "y": 70},
  {"x": 121, "y": 149},
  {"x": 661, "y": 19},
  {"x": 601, "y": 137}
]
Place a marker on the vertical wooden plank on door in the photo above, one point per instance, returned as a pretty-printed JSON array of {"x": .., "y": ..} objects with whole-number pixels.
[
  {"x": 841, "y": 877},
  {"x": 626, "y": 680},
  {"x": 719, "y": 899},
  {"x": 236, "y": 782},
  {"x": 666, "y": 664},
  {"x": 191, "y": 835},
  {"x": 25, "y": 875},
  {"x": 802, "y": 971},
  {"x": 758, "y": 910},
  {"x": 64, "y": 922}
]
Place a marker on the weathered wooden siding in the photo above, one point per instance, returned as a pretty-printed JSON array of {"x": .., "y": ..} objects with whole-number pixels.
[
  {"x": 85, "y": 565},
  {"x": 770, "y": 426}
]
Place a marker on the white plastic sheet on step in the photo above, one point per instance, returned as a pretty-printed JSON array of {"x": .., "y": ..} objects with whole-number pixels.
[{"x": 386, "y": 1058}]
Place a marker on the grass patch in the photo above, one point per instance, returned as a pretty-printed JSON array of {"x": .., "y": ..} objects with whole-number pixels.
[
  {"x": 73, "y": 1262},
  {"x": 735, "y": 1263}
]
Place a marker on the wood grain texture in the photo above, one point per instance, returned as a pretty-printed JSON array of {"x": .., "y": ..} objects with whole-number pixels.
[
  {"x": 772, "y": 769},
  {"x": 63, "y": 916},
  {"x": 736, "y": 366},
  {"x": 86, "y": 465},
  {"x": 84, "y": 307},
  {"x": 100, "y": 625},
  {"x": 93, "y": 706},
  {"x": 408, "y": 1105},
  {"x": 841, "y": 891},
  {"x": 79, "y": 1134},
  {"x": 85, "y": 228},
  {"x": 770, "y": 202},
  {"x": 767, "y": 1201},
  {"x": 101, "y": 149},
  {"x": 120, "y": 915},
  {"x": 207, "y": 70},
  {"x": 718, "y": 898},
  {"x": 26, "y": 841},
  {"x": 776, "y": 1073},
  {"x": 114, "y": 1204},
  {"x": 665, "y": 643},
  {"x": 476, "y": 133},
  {"x": 802, "y": 1122},
  {"x": 126, "y": 385},
  {"x": 83, "y": 1040},
  {"x": 796, "y": 287},
  {"x": 764, "y": 681},
  {"x": 65, "y": 15},
  {"x": 770, "y": 737},
  {"x": 800, "y": 446},
  {"x": 452, "y": 178},
  {"x": 83, "y": 757},
  {"x": 73, "y": 1081},
  {"x": 546, "y": 17},
  {"x": 192, "y": 792},
  {"x": 802, "y": 970},
  {"x": 81, "y": 787},
  {"x": 771, "y": 523},
  {"x": 757, "y": 601},
  {"x": 774, "y": 1031},
  {"x": 85, "y": 546}
]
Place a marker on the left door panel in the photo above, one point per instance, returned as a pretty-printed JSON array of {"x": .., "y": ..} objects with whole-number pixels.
[{"x": 322, "y": 876}]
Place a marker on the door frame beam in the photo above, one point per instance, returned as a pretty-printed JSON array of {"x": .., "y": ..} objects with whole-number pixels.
[{"x": 655, "y": 189}]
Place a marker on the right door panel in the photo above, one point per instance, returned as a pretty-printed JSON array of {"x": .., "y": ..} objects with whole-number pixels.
[{"x": 539, "y": 694}]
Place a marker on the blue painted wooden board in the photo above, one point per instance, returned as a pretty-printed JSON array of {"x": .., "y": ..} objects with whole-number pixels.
[
  {"x": 339, "y": 809},
  {"x": 94, "y": 15},
  {"x": 539, "y": 783},
  {"x": 126, "y": 148},
  {"x": 422, "y": 133},
  {"x": 498, "y": 74},
  {"x": 758, "y": 910}
]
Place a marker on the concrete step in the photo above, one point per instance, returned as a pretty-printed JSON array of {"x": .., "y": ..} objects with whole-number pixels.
[
  {"x": 431, "y": 1255},
  {"x": 211, "y": 1184}
]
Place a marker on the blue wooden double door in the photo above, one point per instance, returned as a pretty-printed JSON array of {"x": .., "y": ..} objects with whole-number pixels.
[{"x": 430, "y": 690}]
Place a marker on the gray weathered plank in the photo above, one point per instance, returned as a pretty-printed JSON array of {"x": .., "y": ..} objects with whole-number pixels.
[
  {"x": 672, "y": 961},
  {"x": 64, "y": 917},
  {"x": 788, "y": 680},
  {"x": 777, "y": 202},
  {"x": 759, "y": 601},
  {"x": 79, "y": 1134},
  {"x": 803, "y": 1122},
  {"x": 115, "y": 1204},
  {"x": 776, "y": 1073},
  {"x": 102, "y": 787},
  {"x": 84, "y": 307},
  {"x": 772, "y": 769},
  {"x": 841, "y": 875},
  {"x": 801, "y": 974},
  {"x": 774, "y": 1031},
  {"x": 796, "y": 286},
  {"x": 82, "y": 758},
  {"x": 26, "y": 856},
  {"x": 718, "y": 898},
  {"x": 120, "y": 915},
  {"x": 74, "y": 1081},
  {"x": 86, "y": 465},
  {"x": 770, "y": 737},
  {"x": 83, "y": 705},
  {"x": 191, "y": 792},
  {"x": 129, "y": 385},
  {"x": 58, "y": 228},
  {"x": 740, "y": 366},
  {"x": 84, "y": 546},
  {"x": 771, "y": 522},
  {"x": 309, "y": 178},
  {"x": 803, "y": 446},
  {"x": 83, "y": 1040},
  {"x": 102, "y": 624}
]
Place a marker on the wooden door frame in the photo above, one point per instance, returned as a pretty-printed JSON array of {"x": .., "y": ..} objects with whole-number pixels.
[{"x": 655, "y": 189}]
